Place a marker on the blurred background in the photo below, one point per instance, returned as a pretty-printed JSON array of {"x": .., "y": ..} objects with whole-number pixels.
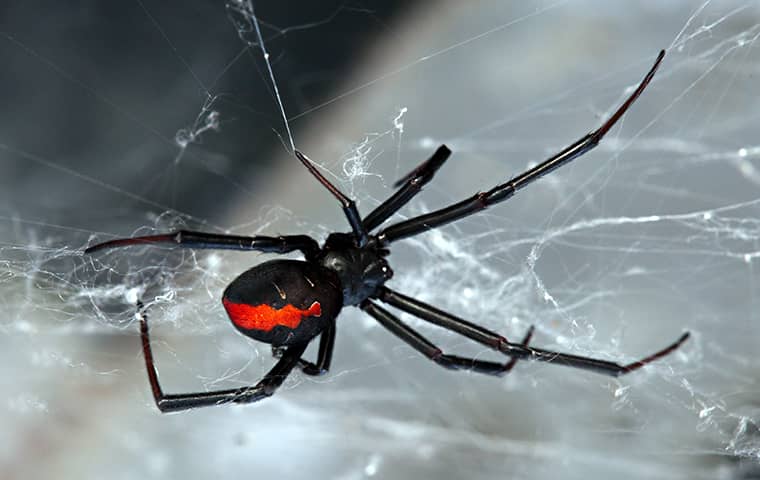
[{"x": 136, "y": 117}]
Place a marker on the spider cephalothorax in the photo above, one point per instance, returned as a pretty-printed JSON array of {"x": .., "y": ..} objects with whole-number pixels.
[
  {"x": 361, "y": 270},
  {"x": 287, "y": 303}
]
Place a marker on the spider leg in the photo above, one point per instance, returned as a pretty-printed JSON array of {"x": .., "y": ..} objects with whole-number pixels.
[
  {"x": 501, "y": 192},
  {"x": 411, "y": 184},
  {"x": 514, "y": 350},
  {"x": 188, "y": 239},
  {"x": 424, "y": 346},
  {"x": 348, "y": 205},
  {"x": 184, "y": 401},
  {"x": 324, "y": 356}
]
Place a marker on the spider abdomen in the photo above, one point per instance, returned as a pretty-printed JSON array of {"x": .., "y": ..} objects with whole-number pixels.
[{"x": 283, "y": 302}]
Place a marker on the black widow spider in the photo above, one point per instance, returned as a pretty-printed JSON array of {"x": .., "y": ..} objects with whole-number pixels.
[{"x": 287, "y": 303}]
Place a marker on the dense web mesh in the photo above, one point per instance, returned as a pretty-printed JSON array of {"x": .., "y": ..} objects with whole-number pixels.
[{"x": 655, "y": 232}]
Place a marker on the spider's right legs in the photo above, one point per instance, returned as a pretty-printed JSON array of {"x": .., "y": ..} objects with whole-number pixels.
[
  {"x": 425, "y": 347},
  {"x": 503, "y": 191},
  {"x": 176, "y": 402},
  {"x": 516, "y": 351},
  {"x": 411, "y": 185}
]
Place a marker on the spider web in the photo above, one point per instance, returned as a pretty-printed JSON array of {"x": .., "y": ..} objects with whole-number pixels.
[{"x": 655, "y": 232}]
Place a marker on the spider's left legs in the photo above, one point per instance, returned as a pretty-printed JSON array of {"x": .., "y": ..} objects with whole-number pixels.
[
  {"x": 424, "y": 346},
  {"x": 514, "y": 350},
  {"x": 191, "y": 239},
  {"x": 324, "y": 356},
  {"x": 184, "y": 401}
]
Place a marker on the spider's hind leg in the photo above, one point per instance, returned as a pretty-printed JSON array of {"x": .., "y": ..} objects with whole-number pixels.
[
  {"x": 184, "y": 401},
  {"x": 324, "y": 356}
]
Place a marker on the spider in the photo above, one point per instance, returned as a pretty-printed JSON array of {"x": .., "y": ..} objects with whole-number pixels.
[{"x": 288, "y": 303}]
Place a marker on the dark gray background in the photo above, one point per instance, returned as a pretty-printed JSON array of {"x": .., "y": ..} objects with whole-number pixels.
[{"x": 102, "y": 88}]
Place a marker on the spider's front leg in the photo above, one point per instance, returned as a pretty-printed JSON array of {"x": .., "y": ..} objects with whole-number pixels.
[
  {"x": 408, "y": 186},
  {"x": 184, "y": 401},
  {"x": 482, "y": 200},
  {"x": 349, "y": 206}
]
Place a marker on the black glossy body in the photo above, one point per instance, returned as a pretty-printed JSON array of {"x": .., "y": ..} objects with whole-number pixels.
[
  {"x": 283, "y": 283},
  {"x": 351, "y": 269},
  {"x": 337, "y": 275}
]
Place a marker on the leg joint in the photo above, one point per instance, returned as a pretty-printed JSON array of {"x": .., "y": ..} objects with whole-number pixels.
[
  {"x": 163, "y": 405},
  {"x": 444, "y": 360}
]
